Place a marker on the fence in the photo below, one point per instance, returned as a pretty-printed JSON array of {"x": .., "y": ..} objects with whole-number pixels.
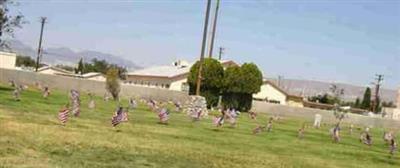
[{"x": 327, "y": 116}]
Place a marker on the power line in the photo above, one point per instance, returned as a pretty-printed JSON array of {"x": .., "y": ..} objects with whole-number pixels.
[
  {"x": 203, "y": 45},
  {"x": 40, "y": 49}
]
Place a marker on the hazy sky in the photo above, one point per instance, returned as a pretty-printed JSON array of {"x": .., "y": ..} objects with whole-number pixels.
[{"x": 343, "y": 41}]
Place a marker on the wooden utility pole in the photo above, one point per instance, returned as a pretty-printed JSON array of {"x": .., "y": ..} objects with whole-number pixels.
[
  {"x": 39, "y": 51},
  {"x": 221, "y": 51},
  {"x": 203, "y": 45},
  {"x": 379, "y": 79},
  {"x": 210, "y": 51}
]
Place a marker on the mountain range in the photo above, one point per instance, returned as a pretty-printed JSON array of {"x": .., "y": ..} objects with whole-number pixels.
[
  {"x": 66, "y": 56},
  {"x": 309, "y": 88}
]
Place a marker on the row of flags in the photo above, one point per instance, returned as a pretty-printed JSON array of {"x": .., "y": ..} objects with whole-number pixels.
[{"x": 196, "y": 113}]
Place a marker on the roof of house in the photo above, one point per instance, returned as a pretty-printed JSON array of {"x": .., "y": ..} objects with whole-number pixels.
[
  {"x": 55, "y": 69},
  {"x": 4, "y": 53},
  {"x": 91, "y": 74},
  {"x": 293, "y": 97},
  {"x": 161, "y": 71},
  {"x": 170, "y": 71}
]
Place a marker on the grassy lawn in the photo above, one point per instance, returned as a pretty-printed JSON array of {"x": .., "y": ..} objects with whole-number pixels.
[{"x": 31, "y": 136}]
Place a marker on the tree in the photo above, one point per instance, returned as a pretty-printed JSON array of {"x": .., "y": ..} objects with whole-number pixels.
[
  {"x": 232, "y": 87},
  {"x": 357, "y": 103},
  {"x": 112, "y": 82},
  {"x": 240, "y": 83},
  {"x": 100, "y": 66},
  {"x": 252, "y": 79},
  {"x": 25, "y": 61},
  {"x": 377, "y": 105},
  {"x": 80, "y": 68},
  {"x": 366, "y": 102},
  {"x": 8, "y": 22},
  {"x": 388, "y": 104},
  {"x": 211, "y": 81}
]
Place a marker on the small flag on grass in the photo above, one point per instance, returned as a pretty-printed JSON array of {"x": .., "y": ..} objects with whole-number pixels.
[
  {"x": 119, "y": 116},
  {"x": 63, "y": 115}
]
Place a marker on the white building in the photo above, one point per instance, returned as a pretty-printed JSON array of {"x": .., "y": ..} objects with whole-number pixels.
[
  {"x": 393, "y": 113},
  {"x": 7, "y": 60},
  {"x": 270, "y": 92},
  {"x": 172, "y": 77},
  {"x": 54, "y": 71}
]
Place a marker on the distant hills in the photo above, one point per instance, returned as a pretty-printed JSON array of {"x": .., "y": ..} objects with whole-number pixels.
[
  {"x": 308, "y": 88},
  {"x": 66, "y": 56}
]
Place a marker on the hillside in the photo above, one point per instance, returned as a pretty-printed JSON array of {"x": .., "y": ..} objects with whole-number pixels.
[
  {"x": 64, "y": 55},
  {"x": 311, "y": 88}
]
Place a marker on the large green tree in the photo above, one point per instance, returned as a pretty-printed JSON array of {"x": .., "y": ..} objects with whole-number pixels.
[
  {"x": 8, "y": 22},
  {"x": 232, "y": 89},
  {"x": 240, "y": 83},
  {"x": 211, "y": 81},
  {"x": 366, "y": 102}
]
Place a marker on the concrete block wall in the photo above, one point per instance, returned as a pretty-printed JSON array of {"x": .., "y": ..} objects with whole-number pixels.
[{"x": 96, "y": 87}]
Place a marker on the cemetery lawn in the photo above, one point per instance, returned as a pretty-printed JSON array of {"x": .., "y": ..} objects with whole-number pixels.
[{"x": 31, "y": 136}]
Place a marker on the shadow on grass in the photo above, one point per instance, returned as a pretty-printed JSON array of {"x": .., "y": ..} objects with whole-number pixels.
[{"x": 6, "y": 89}]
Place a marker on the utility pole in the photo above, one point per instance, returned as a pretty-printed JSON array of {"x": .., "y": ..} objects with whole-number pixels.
[
  {"x": 378, "y": 83},
  {"x": 221, "y": 51},
  {"x": 39, "y": 51},
  {"x": 203, "y": 45},
  {"x": 280, "y": 78},
  {"x": 210, "y": 51}
]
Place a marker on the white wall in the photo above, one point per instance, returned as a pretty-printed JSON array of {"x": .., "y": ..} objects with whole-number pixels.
[
  {"x": 269, "y": 92},
  {"x": 49, "y": 71},
  {"x": 7, "y": 60},
  {"x": 97, "y": 78},
  {"x": 177, "y": 85}
]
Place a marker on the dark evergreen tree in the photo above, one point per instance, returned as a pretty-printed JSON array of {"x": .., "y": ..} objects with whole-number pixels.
[{"x": 366, "y": 102}]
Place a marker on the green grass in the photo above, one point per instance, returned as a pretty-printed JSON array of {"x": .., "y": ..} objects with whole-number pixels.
[{"x": 31, "y": 136}]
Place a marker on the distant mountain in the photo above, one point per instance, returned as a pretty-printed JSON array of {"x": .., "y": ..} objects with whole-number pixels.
[
  {"x": 308, "y": 88},
  {"x": 66, "y": 56}
]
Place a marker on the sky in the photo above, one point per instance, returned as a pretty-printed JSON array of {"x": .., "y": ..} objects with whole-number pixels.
[{"x": 326, "y": 40}]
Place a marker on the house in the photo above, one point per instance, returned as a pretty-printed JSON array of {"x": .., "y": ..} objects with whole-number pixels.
[
  {"x": 274, "y": 94},
  {"x": 7, "y": 60},
  {"x": 172, "y": 77},
  {"x": 94, "y": 76},
  {"x": 393, "y": 113},
  {"x": 51, "y": 70}
]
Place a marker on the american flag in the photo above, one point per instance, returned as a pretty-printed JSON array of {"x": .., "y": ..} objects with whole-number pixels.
[
  {"x": 46, "y": 92},
  {"x": 195, "y": 114},
  {"x": 178, "y": 106},
  {"x": 119, "y": 116},
  {"x": 63, "y": 115},
  {"x": 258, "y": 129},
  {"x": 163, "y": 115},
  {"x": 218, "y": 121}
]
